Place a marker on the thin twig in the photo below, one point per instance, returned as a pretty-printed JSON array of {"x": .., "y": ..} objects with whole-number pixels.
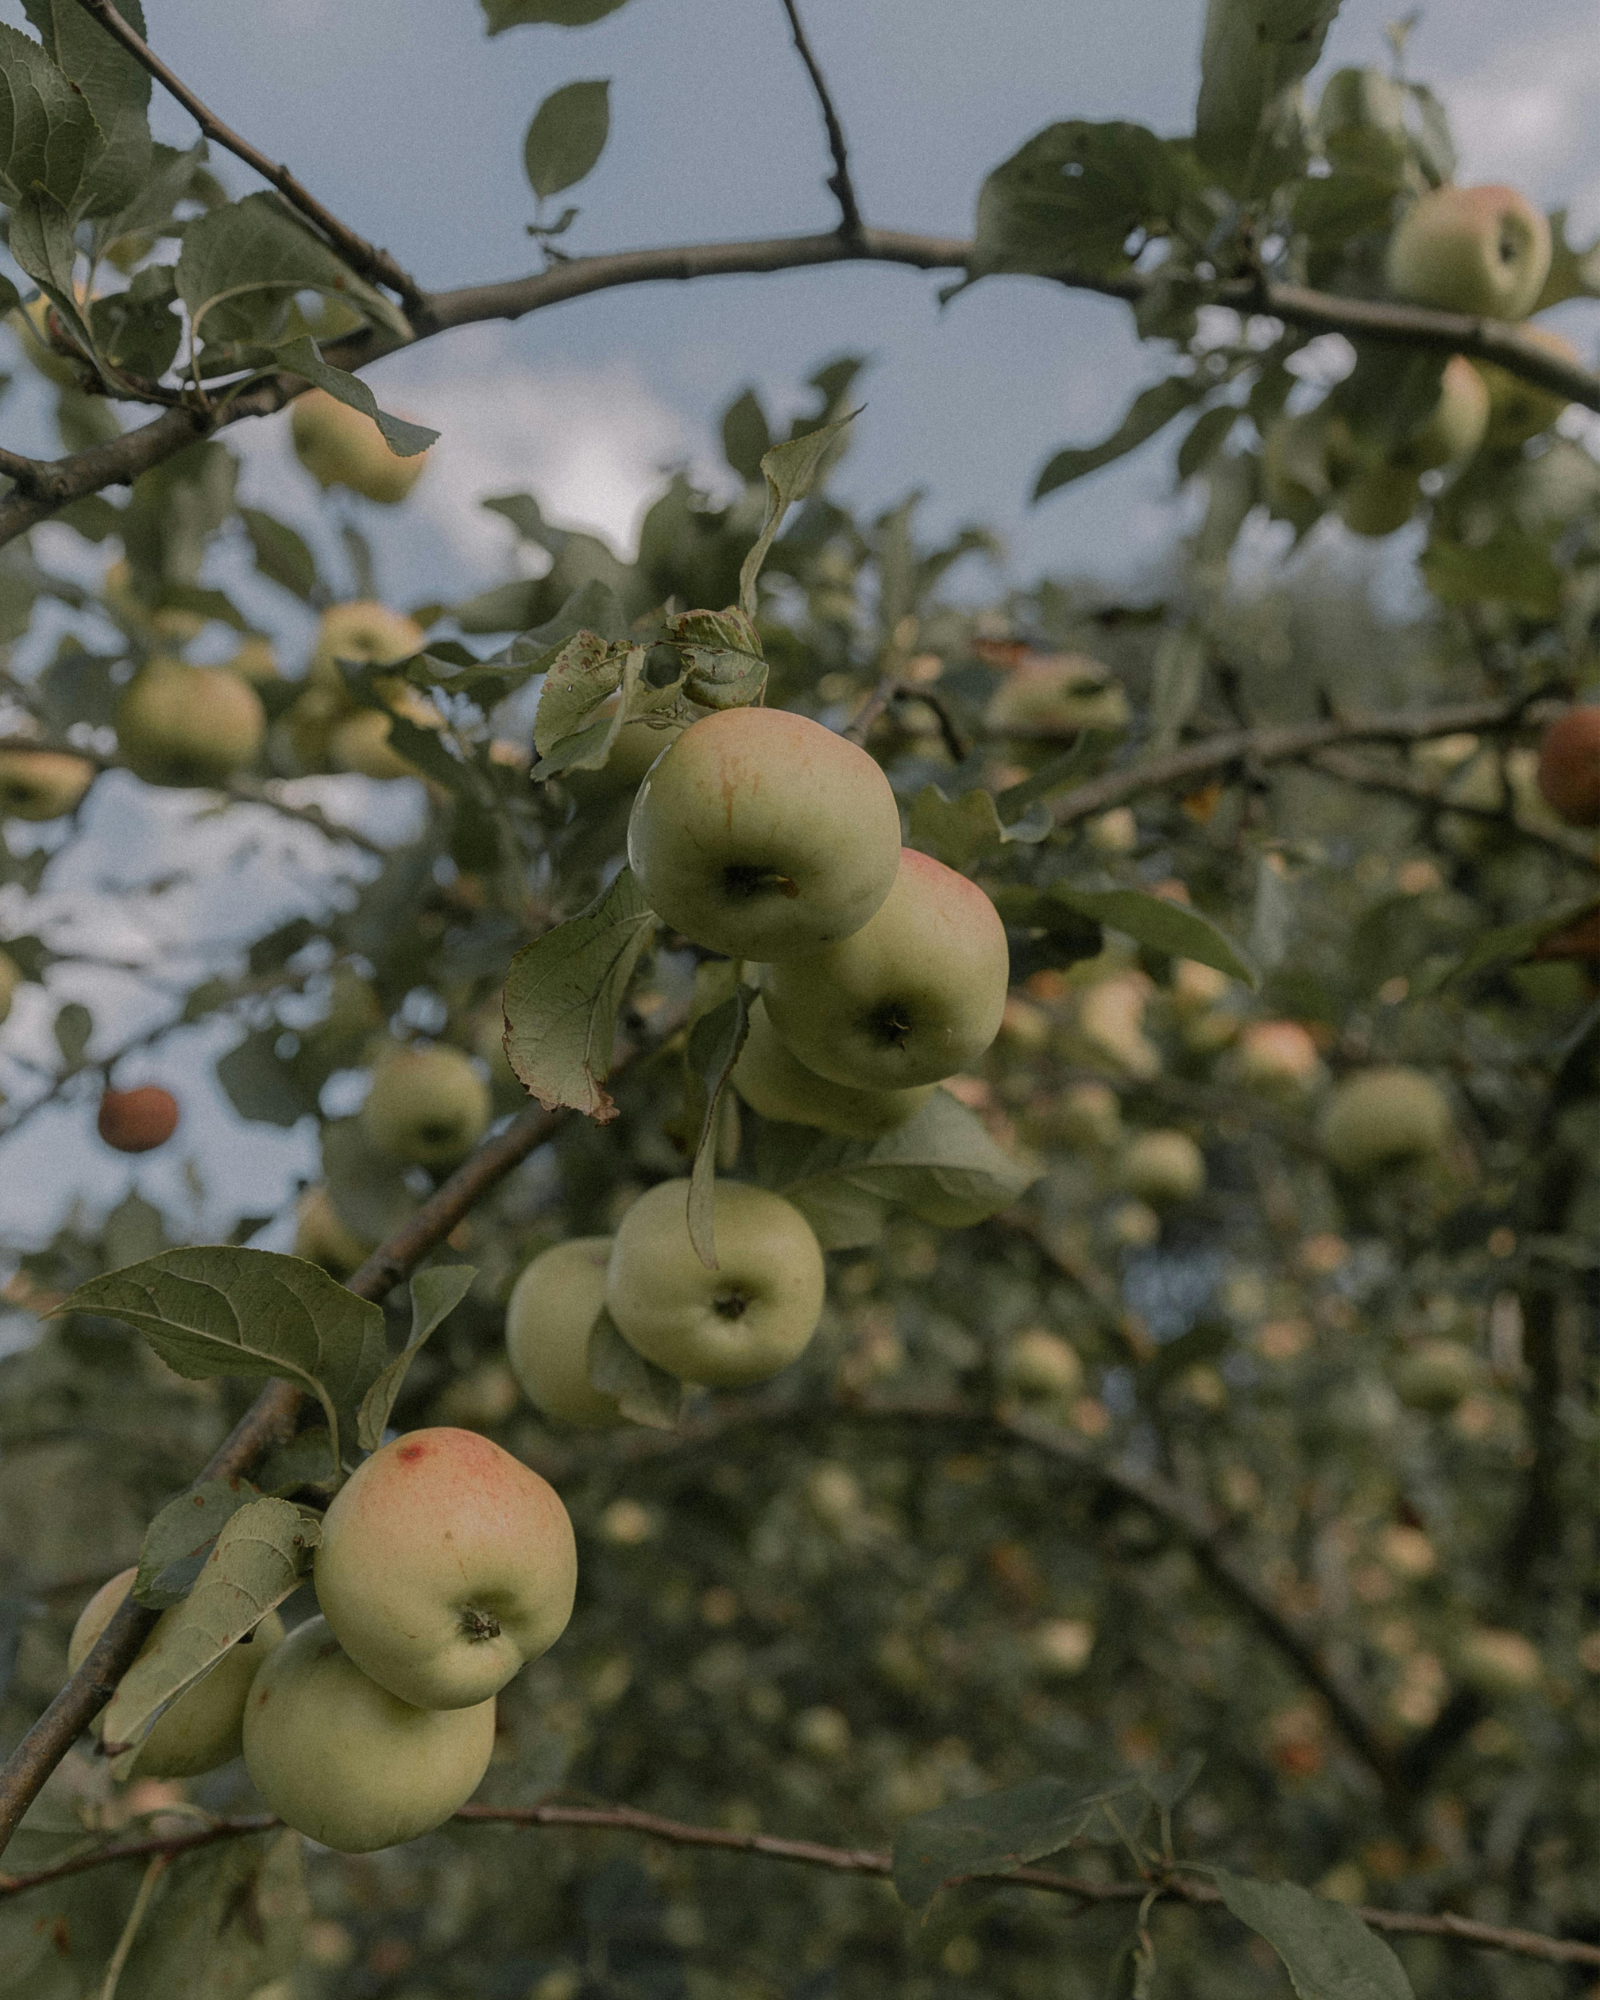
[
  {"x": 158, "y": 1867},
  {"x": 840, "y": 185},
  {"x": 361, "y": 255},
  {"x": 859, "y": 727},
  {"x": 1365, "y": 777}
]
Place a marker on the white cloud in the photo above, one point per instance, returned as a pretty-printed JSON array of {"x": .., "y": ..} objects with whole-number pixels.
[{"x": 1526, "y": 117}]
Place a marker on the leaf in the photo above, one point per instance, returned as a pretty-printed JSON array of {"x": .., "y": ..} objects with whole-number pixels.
[
  {"x": 1328, "y": 1951},
  {"x": 790, "y": 470},
  {"x": 229, "y": 1923},
  {"x": 1150, "y": 411},
  {"x": 1160, "y": 925},
  {"x": 117, "y": 89},
  {"x": 502, "y": 14},
  {"x": 1512, "y": 566},
  {"x": 48, "y": 134},
  {"x": 306, "y": 1460},
  {"x": 746, "y": 435},
  {"x": 301, "y": 357},
  {"x": 1044, "y": 934},
  {"x": 562, "y": 995},
  {"x": 723, "y": 664},
  {"x": 987, "y": 1835},
  {"x": 1206, "y": 436},
  {"x": 1511, "y": 943},
  {"x": 567, "y": 136},
  {"x": 1252, "y": 59},
  {"x": 74, "y": 1024},
  {"x": 260, "y": 245},
  {"x": 259, "y": 1557},
  {"x": 10, "y": 299},
  {"x": 645, "y": 1393},
  {"x": 1178, "y": 675},
  {"x": 579, "y": 678},
  {"x": 712, "y": 1050},
  {"x": 222, "y": 1311},
  {"x": 435, "y": 1294},
  {"x": 178, "y": 1541},
  {"x": 282, "y": 554},
  {"x": 958, "y": 831}
]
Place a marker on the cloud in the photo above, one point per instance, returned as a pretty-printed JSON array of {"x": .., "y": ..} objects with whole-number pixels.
[{"x": 1526, "y": 117}]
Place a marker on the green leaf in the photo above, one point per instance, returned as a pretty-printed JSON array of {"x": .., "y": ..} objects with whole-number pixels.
[
  {"x": 179, "y": 1539},
  {"x": 1178, "y": 676},
  {"x": 502, "y": 14},
  {"x": 1329, "y": 1952},
  {"x": 260, "y": 1555},
  {"x": 435, "y": 1294},
  {"x": 1205, "y": 438},
  {"x": 1252, "y": 60},
  {"x": 645, "y": 1393},
  {"x": 1511, "y": 567},
  {"x": 282, "y": 554},
  {"x": 117, "y": 89},
  {"x": 260, "y": 245},
  {"x": 229, "y": 1923},
  {"x": 988, "y": 1835},
  {"x": 1045, "y": 934},
  {"x": 405, "y": 440},
  {"x": 790, "y": 470},
  {"x": 579, "y": 678},
  {"x": 1150, "y": 411},
  {"x": 723, "y": 665},
  {"x": 1162, "y": 926},
  {"x": 1068, "y": 201},
  {"x": 41, "y": 240},
  {"x": 74, "y": 1024},
  {"x": 562, "y": 996},
  {"x": 567, "y": 136},
  {"x": 746, "y": 435},
  {"x": 715, "y": 1040},
  {"x": 10, "y": 299},
  {"x": 958, "y": 831},
  {"x": 48, "y": 135},
  {"x": 1510, "y": 943}
]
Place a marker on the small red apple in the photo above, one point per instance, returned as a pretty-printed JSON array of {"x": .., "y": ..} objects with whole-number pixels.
[
  {"x": 137, "y": 1121},
  {"x": 1569, "y": 767}
]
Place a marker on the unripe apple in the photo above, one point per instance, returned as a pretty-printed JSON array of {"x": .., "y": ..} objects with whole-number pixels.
[
  {"x": 348, "y": 1764},
  {"x": 1435, "y": 1375},
  {"x": 201, "y": 1728},
  {"x": 726, "y": 1328},
  {"x": 47, "y": 346},
  {"x": 1455, "y": 426},
  {"x": 339, "y": 446},
  {"x": 428, "y": 1106},
  {"x": 1381, "y": 1116},
  {"x": 171, "y": 624},
  {"x": 1114, "y": 832},
  {"x": 1379, "y": 500},
  {"x": 1519, "y": 409},
  {"x": 364, "y": 631},
  {"x": 777, "y": 1085},
  {"x": 359, "y": 742},
  {"x": 1111, "y": 1019},
  {"x": 322, "y": 1237},
  {"x": 1276, "y": 1056},
  {"x": 638, "y": 745},
  {"x": 549, "y": 1318},
  {"x": 1569, "y": 766},
  {"x": 1161, "y": 1167},
  {"x": 42, "y": 784},
  {"x": 1041, "y": 1363},
  {"x": 915, "y": 995},
  {"x": 1088, "y": 1114},
  {"x": 255, "y": 661},
  {"x": 761, "y": 834},
  {"x": 1056, "y": 694},
  {"x": 10, "y": 980},
  {"x": 1480, "y": 250},
  {"x": 179, "y": 725},
  {"x": 1499, "y": 1662},
  {"x": 137, "y": 1121},
  {"x": 445, "y": 1565}
]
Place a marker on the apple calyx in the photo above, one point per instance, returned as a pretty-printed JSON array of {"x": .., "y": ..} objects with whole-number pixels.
[
  {"x": 747, "y": 881},
  {"x": 479, "y": 1624},
  {"x": 730, "y": 1305}
]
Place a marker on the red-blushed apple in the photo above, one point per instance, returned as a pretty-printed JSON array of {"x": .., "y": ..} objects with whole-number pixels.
[
  {"x": 340, "y": 446},
  {"x": 1480, "y": 250},
  {"x": 42, "y": 784},
  {"x": 1276, "y": 1056},
  {"x": 1569, "y": 767},
  {"x": 549, "y": 1317},
  {"x": 181, "y": 725},
  {"x": 428, "y": 1106},
  {"x": 777, "y": 1085},
  {"x": 723, "y": 1328},
  {"x": 761, "y": 834},
  {"x": 137, "y": 1121},
  {"x": 915, "y": 995},
  {"x": 1379, "y": 1117},
  {"x": 201, "y": 1728},
  {"x": 445, "y": 1564},
  {"x": 346, "y": 1763}
]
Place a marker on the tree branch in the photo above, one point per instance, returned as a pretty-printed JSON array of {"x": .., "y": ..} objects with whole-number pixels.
[
  {"x": 1365, "y": 777},
  {"x": 839, "y": 182},
  {"x": 356, "y": 251}
]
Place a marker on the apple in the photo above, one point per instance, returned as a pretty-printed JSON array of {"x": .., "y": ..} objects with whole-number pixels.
[
  {"x": 1276, "y": 1056},
  {"x": 445, "y": 1565},
  {"x": 179, "y": 725},
  {"x": 1478, "y": 250},
  {"x": 321, "y": 1235},
  {"x": 201, "y": 1728},
  {"x": 1088, "y": 1115},
  {"x": 914, "y": 995},
  {"x": 638, "y": 745},
  {"x": 1455, "y": 427},
  {"x": 1378, "y": 500},
  {"x": 726, "y": 1328},
  {"x": 348, "y": 1764},
  {"x": 549, "y": 1317},
  {"x": 365, "y": 631},
  {"x": 137, "y": 1121},
  {"x": 1056, "y": 694},
  {"x": 1569, "y": 767},
  {"x": 10, "y": 980},
  {"x": 255, "y": 661},
  {"x": 359, "y": 742},
  {"x": 428, "y": 1106},
  {"x": 1041, "y": 1363},
  {"x": 1111, "y": 1020},
  {"x": 175, "y": 626},
  {"x": 1499, "y": 1662},
  {"x": 1519, "y": 409},
  {"x": 1435, "y": 1375},
  {"x": 47, "y": 346},
  {"x": 339, "y": 446},
  {"x": 761, "y": 834},
  {"x": 777, "y": 1085},
  {"x": 42, "y": 784},
  {"x": 1379, "y": 1117},
  {"x": 1161, "y": 1167}
]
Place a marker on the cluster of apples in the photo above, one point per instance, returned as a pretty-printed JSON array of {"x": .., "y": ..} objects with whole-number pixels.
[{"x": 445, "y": 1566}]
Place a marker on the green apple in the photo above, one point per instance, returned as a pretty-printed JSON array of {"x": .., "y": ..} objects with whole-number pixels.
[
  {"x": 1085, "y": 1115},
  {"x": 1478, "y": 250},
  {"x": 549, "y": 1318},
  {"x": 1161, "y": 1167},
  {"x": 170, "y": 624},
  {"x": 359, "y": 742},
  {"x": 1276, "y": 1056},
  {"x": 1041, "y": 1363},
  {"x": 914, "y": 995},
  {"x": 726, "y": 1328},
  {"x": 339, "y": 446},
  {"x": 1499, "y": 1662},
  {"x": 445, "y": 1565},
  {"x": 1378, "y": 500},
  {"x": 10, "y": 980},
  {"x": 1518, "y": 409},
  {"x": 777, "y": 1085},
  {"x": 201, "y": 1728},
  {"x": 1436, "y": 1375},
  {"x": 179, "y": 725},
  {"x": 42, "y": 784},
  {"x": 638, "y": 745},
  {"x": 1569, "y": 766},
  {"x": 1056, "y": 694},
  {"x": 1455, "y": 426},
  {"x": 348, "y": 1764},
  {"x": 364, "y": 631},
  {"x": 428, "y": 1106},
  {"x": 255, "y": 661},
  {"x": 322, "y": 1237},
  {"x": 761, "y": 834},
  {"x": 1379, "y": 1117}
]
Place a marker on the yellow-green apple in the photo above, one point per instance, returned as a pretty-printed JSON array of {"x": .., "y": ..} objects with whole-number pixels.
[
  {"x": 1436, "y": 1375},
  {"x": 445, "y": 1565},
  {"x": 201, "y": 1728},
  {"x": 761, "y": 834},
  {"x": 170, "y": 624},
  {"x": 1378, "y": 500},
  {"x": 42, "y": 784},
  {"x": 914, "y": 995},
  {"x": 359, "y": 742},
  {"x": 348, "y": 1764},
  {"x": 1041, "y": 1363},
  {"x": 1056, "y": 694},
  {"x": 1111, "y": 1020},
  {"x": 180, "y": 725},
  {"x": 364, "y": 631},
  {"x": 137, "y": 1121},
  {"x": 1381, "y": 1116},
  {"x": 427, "y": 1106},
  {"x": 1480, "y": 250},
  {"x": 1162, "y": 1166},
  {"x": 339, "y": 446},
  {"x": 549, "y": 1318},
  {"x": 638, "y": 745},
  {"x": 777, "y": 1085},
  {"x": 48, "y": 346},
  {"x": 1087, "y": 1114},
  {"x": 1455, "y": 426},
  {"x": 726, "y": 1328},
  {"x": 1499, "y": 1662},
  {"x": 1520, "y": 409},
  {"x": 1276, "y": 1056},
  {"x": 1569, "y": 767},
  {"x": 322, "y": 1236},
  {"x": 10, "y": 980},
  {"x": 256, "y": 660}
]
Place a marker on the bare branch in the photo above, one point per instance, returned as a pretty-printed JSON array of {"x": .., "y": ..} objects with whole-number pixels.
[
  {"x": 839, "y": 182},
  {"x": 1365, "y": 777},
  {"x": 361, "y": 255}
]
